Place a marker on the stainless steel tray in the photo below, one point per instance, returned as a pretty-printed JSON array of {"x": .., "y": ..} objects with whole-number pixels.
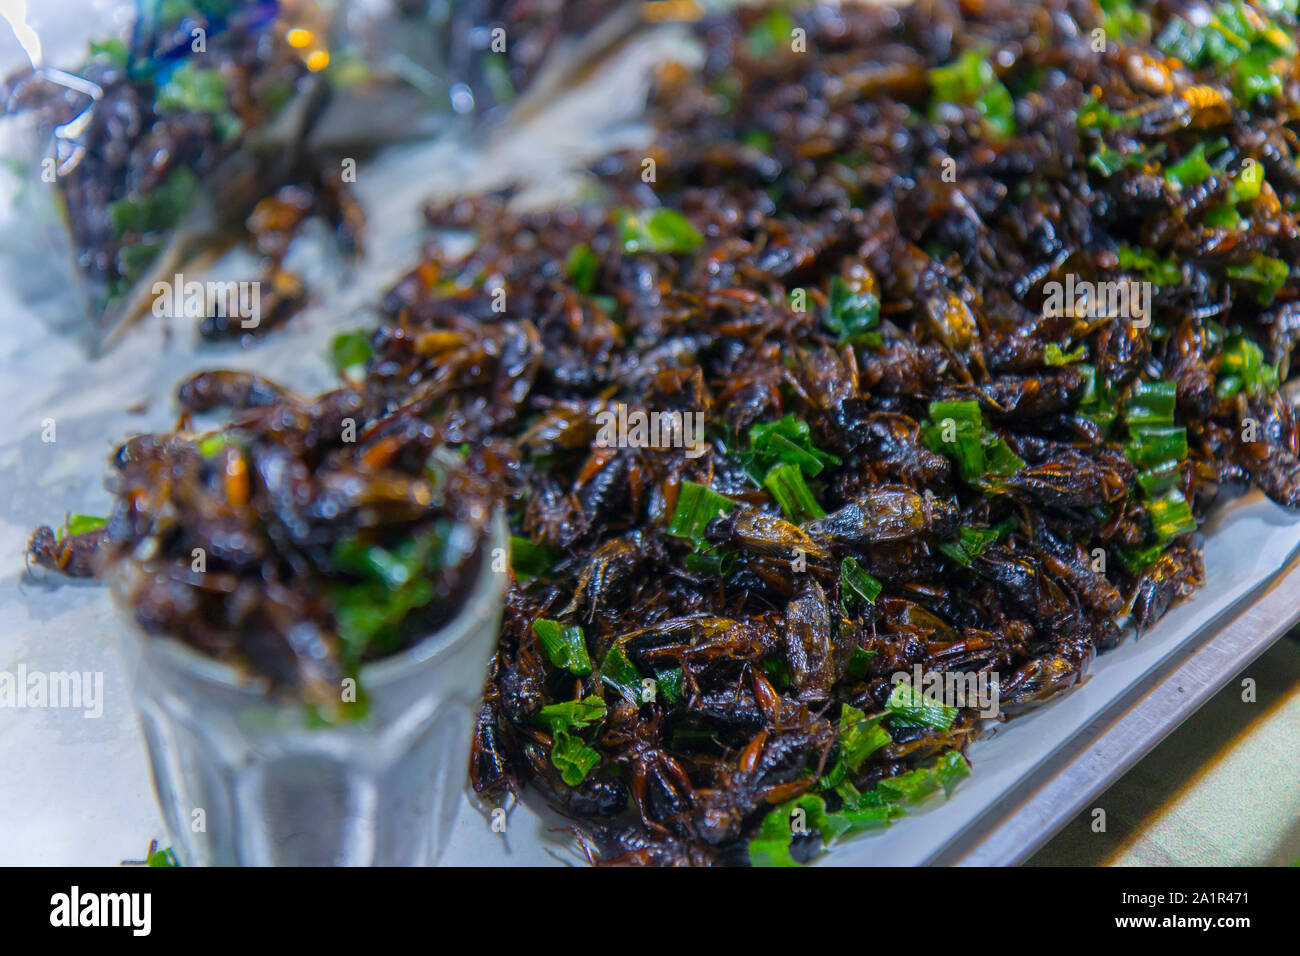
[{"x": 1012, "y": 829}]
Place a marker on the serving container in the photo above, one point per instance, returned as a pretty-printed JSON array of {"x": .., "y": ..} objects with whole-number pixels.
[{"x": 246, "y": 780}]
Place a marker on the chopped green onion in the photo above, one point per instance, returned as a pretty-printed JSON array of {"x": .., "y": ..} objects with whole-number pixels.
[
  {"x": 999, "y": 459},
  {"x": 697, "y": 505},
  {"x": 1268, "y": 273},
  {"x": 970, "y": 80},
  {"x": 852, "y": 313},
  {"x": 351, "y": 353},
  {"x": 1107, "y": 162},
  {"x": 1096, "y": 115},
  {"x": 1151, "y": 403},
  {"x": 772, "y": 33},
  {"x": 158, "y": 209},
  {"x": 858, "y": 663},
  {"x": 915, "y": 785},
  {"x": 963, "y": 420},
  {"x": 861, "y": 811},
  {"x": 771, "y": 845},
  {"x": 789, "y": 440},
  {"x": 393, "y": 582},
  {"x": 1053, "y": 355},
  {"x": 1247, "y": 184},
  {"x": 621, "y": 674},
  {"x": 212, "y": 443},
  {"x": 977, "y": 450},
  {"x": 669, "y": 684},
  {"x": 1240, "y": 40},
  {"x": 909, "y": 707},
  {"x": 1171, "y": 516},
  {"x": 971, "y": 542},
  {"x": 711, "y": 562},
  {"x": 860, "y": 736},
  {"x": 1152, "y": 445},
  {"x": 858, "y": 584},
  {"x": 1243, "y": 367},
  {"x": 1223, "y": 217},
  {"x": 1123, "y": 19},
  {"x": 660, "y": 230},
  {"x": 1140, "y": 559},
  {"x": 572, "y": 757},
  {"x": 1194, "y": 169},
  {"x": 113, "y": 50},
  {"x": 1094, "y": 403},
  {"x": 786, "y": 484},
  {"x": 581, "y": 266},
  {"x": 80, "y": 524},
  {"x": 867, "y": 812},
  {"x": 572, "y": 714},
  {"x": 529, "y": 560},
  {"x": 194, "y": 89},
  {"x": 1152, "y": 267},
  {"x": 565, "y": 646},
  {"x": 1157, "y": 480}
]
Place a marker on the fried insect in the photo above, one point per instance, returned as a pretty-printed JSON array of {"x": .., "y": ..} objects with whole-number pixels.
[
  {"x": 76, "y": 555},
  {"x": 907, "y": 457}
]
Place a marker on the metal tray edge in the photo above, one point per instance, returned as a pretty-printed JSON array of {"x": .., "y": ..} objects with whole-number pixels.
[{"x": 1013, "y": 828}]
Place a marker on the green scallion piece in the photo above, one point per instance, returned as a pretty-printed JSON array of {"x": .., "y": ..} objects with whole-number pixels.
[
  {"x": 1264, "y": 271},
  {"x": 850, "y": 314},
  {"x": 970, "y": 80},
  {"x": 581, "y": 266},
  {"x": 786, "y": 484},
  {"x": 1150, "y": 446},
  {"x": 1151, "y": 403},
  {"x": 697, "y": 505},
  {"x": 80, "y": 524},
  {"x": 858, "y": 584},
  {"x": 909, "y": 707},
  {"x": 565, "y": 646},
  {"x": 1171, "y": 516},
  {"x": 860, "y": 736},
  {"x": 572, "y": 757},
  {"x": 529, "y": 560},
  {"x": 572, "y": 714},
  {"x": 621, "y": 674},
  {"x": 659, "y": 230}
]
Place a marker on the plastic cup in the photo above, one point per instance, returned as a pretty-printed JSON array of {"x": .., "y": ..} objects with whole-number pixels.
[{"x": 244, "y": 780}]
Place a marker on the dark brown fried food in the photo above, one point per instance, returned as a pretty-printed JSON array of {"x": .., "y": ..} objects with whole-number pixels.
[
  {"x": 801, "y": 171},
  {"x": 76, "y": 555},
  {"x": 299, "y": 542},
  {"x": 907, "y": 459}
]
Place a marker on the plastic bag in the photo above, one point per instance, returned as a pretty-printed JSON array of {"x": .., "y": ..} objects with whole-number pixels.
[{"x": 209, "y": 122}]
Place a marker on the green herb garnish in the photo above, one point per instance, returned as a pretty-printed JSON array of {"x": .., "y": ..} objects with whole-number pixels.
[
  {"x": 697, "y": 505},
  {"x": 565, "y": 646},
  {"x": 786, "y": 484},
  {"x": 620, "y": 673},
  {"x": 909, "y": 707},
  {"x": 970, "y": 80},
  {"x": 853, "y": 311},
  {"x": 350, "y": 353},
  {"x": 857, "y": 584},
  {"x": 659, "y": 230}
]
